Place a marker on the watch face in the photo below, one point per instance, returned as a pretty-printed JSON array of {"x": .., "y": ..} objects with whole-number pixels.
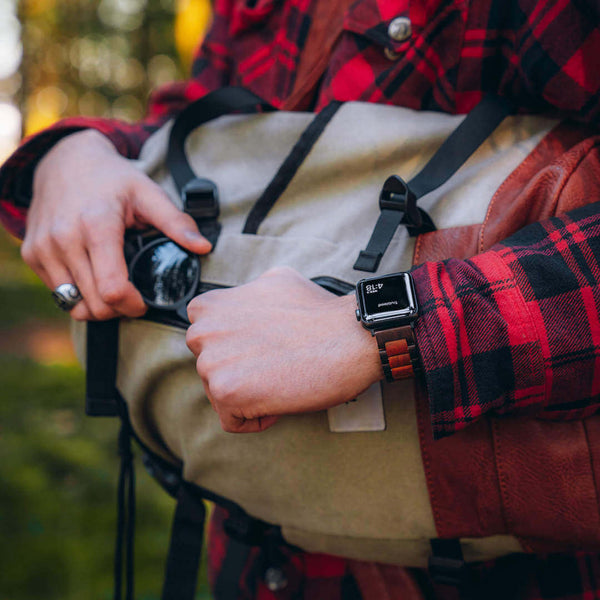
[{"x": 387, "y": 300}]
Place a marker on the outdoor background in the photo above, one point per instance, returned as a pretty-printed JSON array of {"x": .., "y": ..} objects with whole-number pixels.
[{"x": 58, "y": 469}]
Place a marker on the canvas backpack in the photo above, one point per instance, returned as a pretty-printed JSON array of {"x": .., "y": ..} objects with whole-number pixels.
[{"x": 306, "y": 196}]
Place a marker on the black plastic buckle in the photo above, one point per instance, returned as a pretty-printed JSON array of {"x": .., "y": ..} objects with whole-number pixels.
[
  {"x": 447, "y": 571},
  {"x": 397, "y": 195},
  {"x": 446, "y": 563},
  {"x": 244, "y": 528},
  {"x": 200, "y": 199},
  {"x": 166, "y": 475}
]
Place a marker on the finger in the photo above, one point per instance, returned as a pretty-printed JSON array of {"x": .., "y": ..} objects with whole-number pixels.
[
  {"x": 69, "y": 252},
  {"x": 53, "y": 275},
  {"x": 193, "y": 341},
  {"x": 155, "y": 208},
  {"x": 110, "y": 276},
  {"x": 233, "y": 424}
]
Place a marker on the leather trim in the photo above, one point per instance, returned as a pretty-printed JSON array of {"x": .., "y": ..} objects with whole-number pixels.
[{"x": 548, "y": 182}]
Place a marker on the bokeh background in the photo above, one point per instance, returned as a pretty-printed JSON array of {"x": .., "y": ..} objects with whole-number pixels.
[{"x": 58, "y": 469}]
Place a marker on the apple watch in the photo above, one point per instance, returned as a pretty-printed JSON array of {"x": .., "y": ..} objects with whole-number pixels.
[{"x": 387, "y": 307}]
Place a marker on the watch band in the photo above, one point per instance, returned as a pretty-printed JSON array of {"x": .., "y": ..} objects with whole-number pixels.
[{"x": 398, "y": 353}]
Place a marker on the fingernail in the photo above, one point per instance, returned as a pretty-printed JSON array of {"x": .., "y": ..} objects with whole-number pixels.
[{"x": 194, "y": 236}]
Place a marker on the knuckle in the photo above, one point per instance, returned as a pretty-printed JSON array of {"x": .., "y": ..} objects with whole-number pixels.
[
  {"x": 113, "y": 292},
  {"x": 88, "y": 222},
  {"x": 220, "y": 390},
  {"x": 203, "y": 366},
  {"x": 194, "y": 339},
  {"x": 102, "y": 313},
  {"x": 28, "y": 253},
  {"x": 227, "y": 425},
  {"x": 81, "y": 314},
  {"x": 62, "y": 236},
  {"x": 96, "y": 227},
  {"x": 194, "y": 309}
]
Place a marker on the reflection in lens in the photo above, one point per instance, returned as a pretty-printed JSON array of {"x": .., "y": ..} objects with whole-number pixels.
[{"x": 164, "y": 274}]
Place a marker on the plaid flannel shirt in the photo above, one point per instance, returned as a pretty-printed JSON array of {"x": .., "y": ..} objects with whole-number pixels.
[{"x": 545, "y": 56}]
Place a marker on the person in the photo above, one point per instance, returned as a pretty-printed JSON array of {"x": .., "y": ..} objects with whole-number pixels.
[{"x": 71, "y": 193}]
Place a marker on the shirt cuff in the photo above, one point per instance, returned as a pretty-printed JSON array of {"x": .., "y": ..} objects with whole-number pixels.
[{"x": 477, "y": 340}]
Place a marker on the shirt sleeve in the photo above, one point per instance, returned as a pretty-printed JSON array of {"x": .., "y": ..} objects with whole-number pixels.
[
  {"x": 515, "y": 329},
  {"x": 210, "y": 71}
]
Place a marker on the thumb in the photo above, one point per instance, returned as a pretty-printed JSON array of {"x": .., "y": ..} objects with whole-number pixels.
[{"x": 155, "y": 208}]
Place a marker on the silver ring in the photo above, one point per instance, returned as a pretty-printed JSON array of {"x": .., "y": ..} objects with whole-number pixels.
[{"x": 66, "y": 296}]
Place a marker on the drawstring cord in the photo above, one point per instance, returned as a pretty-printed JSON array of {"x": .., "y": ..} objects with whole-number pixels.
[{"x": 125, "y": 515}]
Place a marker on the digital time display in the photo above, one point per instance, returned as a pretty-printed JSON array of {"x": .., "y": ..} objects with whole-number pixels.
[{"x": 388, "y": 297}]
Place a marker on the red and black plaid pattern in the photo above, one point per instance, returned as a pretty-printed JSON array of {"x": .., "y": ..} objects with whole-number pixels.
[
  {"x": 517, "y": 328},
  {"x": 541, "y": 283},
  {"x": 322, "y": 577},
  {"x": 544, "y": 55}
]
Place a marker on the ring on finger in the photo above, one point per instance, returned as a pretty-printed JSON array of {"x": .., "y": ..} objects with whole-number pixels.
[{"x": 67, "y": 296}]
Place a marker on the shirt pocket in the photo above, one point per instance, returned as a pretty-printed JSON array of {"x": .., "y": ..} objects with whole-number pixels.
[{"x": 368, "y": 20}]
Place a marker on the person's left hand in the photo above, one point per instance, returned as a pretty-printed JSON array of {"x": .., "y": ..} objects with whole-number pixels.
[{"x": 278, "y": 345}]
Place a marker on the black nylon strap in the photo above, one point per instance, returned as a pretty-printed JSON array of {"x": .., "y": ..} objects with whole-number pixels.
[
  {"x": 185, "y": 548},
  {"x": 221, "y": 102},
  {"x": 289, "y": 167},
  {"x": 398, "y": 200},
  {"x": 101, "y": 368},
  {"x": 125, "y": 515},
  {"x": 475, "y": 128},
  {"x": 199, "y": 195}
]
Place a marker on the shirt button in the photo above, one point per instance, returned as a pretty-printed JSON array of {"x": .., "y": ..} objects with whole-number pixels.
[
  {"x": 400, "y": 29},
  {"x": 390, "y": 54}
]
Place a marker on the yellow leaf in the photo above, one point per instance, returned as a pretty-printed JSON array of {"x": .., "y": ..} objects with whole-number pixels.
[{"x": 191, "y": 23}]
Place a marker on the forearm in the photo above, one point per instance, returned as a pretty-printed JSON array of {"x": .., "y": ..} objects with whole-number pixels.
[
  {"x": 16, "y": 174},
  {"x": 515, "y": 329}
]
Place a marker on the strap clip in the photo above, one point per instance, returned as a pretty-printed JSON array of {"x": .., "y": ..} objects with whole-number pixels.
[
  {"x": 200, "y": 199},
  {"x": 447, "y": 565},
  {"x": 397, "y": 195},
  {"x": 244, "y": 528}
]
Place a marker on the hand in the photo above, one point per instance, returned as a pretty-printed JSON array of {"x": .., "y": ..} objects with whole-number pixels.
[
  {"x": 84, "y": 197},
  {"x": 278, "y": 345}
]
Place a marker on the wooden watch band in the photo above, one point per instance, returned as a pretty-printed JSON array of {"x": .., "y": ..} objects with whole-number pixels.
[{"x": 398, "y": 353}]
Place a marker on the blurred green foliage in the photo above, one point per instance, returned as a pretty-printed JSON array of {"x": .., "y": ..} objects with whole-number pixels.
[{"x": 58, "y": 468}]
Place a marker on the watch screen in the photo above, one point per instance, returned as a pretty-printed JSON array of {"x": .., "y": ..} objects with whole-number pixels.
[
  {"x": 385, "y": 295},
  {"x": 386, "y": 300}
]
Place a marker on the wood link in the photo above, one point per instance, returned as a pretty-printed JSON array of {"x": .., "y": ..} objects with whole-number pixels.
[{"x": 398, "y": 353}]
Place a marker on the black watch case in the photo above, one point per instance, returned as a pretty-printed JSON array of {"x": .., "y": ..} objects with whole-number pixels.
[{"x": 386, "y": 302}]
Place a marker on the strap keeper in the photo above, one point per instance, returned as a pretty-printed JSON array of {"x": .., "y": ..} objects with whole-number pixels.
[
  {"x": 367, "y": 261},
  {"x": 200, "y": 199},
  {"x": 446, "y": 564},
  {"x": 396, "y": 195}
]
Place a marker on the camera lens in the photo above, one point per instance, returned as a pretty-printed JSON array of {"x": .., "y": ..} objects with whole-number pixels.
[{"x": 165, "y": 274}]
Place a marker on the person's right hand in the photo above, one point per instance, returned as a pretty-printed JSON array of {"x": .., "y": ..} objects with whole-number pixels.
[{"x": 85, "y": 195}]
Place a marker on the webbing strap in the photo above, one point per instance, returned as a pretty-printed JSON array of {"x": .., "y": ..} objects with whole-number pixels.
[
  {"x": 101, "y": 368},
  {"x": 125, "y": 515},
  {"x": 200, "y": 195},
  {"x": 221, "y": 102},
  {"x": 185, "y": 548},
  {"x": 289, "y": 167},
  {"x": 398, "y": 199}
]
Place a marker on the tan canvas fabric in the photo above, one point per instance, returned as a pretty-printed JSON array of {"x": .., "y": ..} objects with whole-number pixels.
[{"x": 362, "y": 495}]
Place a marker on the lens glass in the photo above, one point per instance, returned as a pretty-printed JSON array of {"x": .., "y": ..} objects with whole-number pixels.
[{"x": 165, "y": 274}]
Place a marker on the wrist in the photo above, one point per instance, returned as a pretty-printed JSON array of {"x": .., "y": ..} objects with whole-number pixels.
[
  {"x": 364, "y": 347},
  {"x": 387, "y": 307}
]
